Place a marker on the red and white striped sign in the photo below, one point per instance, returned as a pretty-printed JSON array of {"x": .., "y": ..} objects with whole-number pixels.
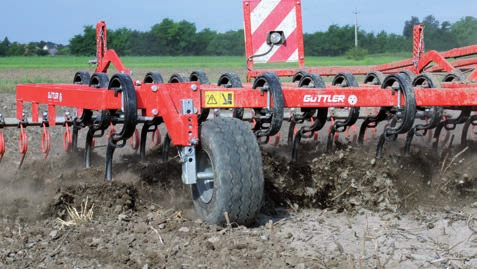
[{"x": 263, "y": 16}]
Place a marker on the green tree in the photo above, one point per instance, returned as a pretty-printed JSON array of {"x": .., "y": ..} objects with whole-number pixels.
[
  {"x": 408, "y": 30},
  {"x": 161, "y": 38},
  {"x": 139, "y": 44},
  {"x": 182, "y": 38},
  {"x": 84, "y": 44},
  {"x": 465, "y": 31},
  {"x": 120, "y": 40},
  {"x": 202, "y": 41},
  {"x": 4, "y": 47},
  {"x": 16, "y": 49},
  {"x": 228, "y": 43}
]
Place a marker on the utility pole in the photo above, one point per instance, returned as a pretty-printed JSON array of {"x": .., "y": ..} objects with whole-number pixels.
[{"x": 356, "y": 28}]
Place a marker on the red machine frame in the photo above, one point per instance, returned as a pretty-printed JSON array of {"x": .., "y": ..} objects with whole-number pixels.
[
  {"x": 164, "y": 100},
  {"x": 184, "y": 106}
]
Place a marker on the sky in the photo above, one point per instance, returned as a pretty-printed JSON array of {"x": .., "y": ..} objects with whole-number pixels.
[{"x": 59, "y": 20}]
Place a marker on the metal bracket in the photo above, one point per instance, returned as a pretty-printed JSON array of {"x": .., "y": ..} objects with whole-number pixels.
[
  {"x": 187, "y": 106},
  {"x": 189, "y": 171},
  {"x": 187, "y": 154}
]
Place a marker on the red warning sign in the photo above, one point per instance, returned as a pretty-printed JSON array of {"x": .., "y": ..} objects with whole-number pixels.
[{"x": 265, "y": 16}]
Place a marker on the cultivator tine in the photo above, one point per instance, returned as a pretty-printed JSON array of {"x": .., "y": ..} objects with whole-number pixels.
[
  {"x": 134, "y": 141},
  {"x": 156, "y": 135},
  {"x": 433, "y": 116},
  {"x": 401, "y": 85},
  {"x": 471, "y": 121},
  {"x": 371, "y": 122},
  {"x": 449, "y": 125},
  {"x": 2, "y": 145},
  {"x": 308, "y": 81},
  {"x": 112, "y": 131},
  {"x": 351, "y": 138},
  {"x": 22, "y": 145},
  {"x": 74, "y": 137},
  {"x": 275, "y": 140},
  {"x": 345, "y": 79},
  {"x": 45, "y": 141},
  {"x": 156, "y": 138},
  {"x": 67, "y": 139},
  {"x": 418, "y": 130},
  {"x": 268, "y": 121},
  {"x": 165, "y": 147},
  {"x": 121, "y": 83},
  {"x": 292, "y": 129},
  {"x": 112, "y": 145},
  {"x": 89, "y": 145}
]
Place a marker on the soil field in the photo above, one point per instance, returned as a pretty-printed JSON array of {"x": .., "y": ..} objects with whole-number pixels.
[{"x": 344, "y": 209}]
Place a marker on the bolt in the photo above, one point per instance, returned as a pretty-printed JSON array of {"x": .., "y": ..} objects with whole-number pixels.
[
  {"x": 154, "y": 88},
  {"x": 194, "y": 141},
  {"x": 154, "y": 111},
  {"x": 194, "y": 87}
]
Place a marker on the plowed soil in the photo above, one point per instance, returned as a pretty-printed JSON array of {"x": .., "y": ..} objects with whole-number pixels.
[{"x": 343, "y": 209}]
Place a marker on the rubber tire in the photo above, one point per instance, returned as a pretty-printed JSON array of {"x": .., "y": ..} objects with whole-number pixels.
[
  {"x": 235, "y": 159},
  {"x": 124, "y": 82},
  {"x": 81, "y": 78},
  {"x": 299, "y": 75},
  {"x": 153, "y": 77},
  {"x": 178, "y": 78},
  {"x": 199, "y": 76},
  {"x": 99, "y": 80},
  {"x": 374, "y": 78}
]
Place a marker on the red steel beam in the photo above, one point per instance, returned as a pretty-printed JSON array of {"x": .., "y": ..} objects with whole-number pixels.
[{"x": 165, "y": 100}]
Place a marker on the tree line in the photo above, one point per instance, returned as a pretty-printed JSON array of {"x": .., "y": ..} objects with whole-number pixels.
[
  {"x": 167, "y": 38},
  {"x": 337, "y": 40},
  {"x": 170, "y": 38}
]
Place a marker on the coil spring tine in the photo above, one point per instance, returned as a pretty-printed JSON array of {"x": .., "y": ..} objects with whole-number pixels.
[
  {"x": 156, "y": 138},
  {"x": 134, "y": 141},
  {"x": 67, "y": 139},
  {"x": 22, "y": 145},
  {"x": 2, "y": 145},
  {"x": 45, "y": 141},
  {"x": 165, "y": 147}
]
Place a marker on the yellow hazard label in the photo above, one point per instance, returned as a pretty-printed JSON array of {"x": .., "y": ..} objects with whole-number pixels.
[{"x": 219, "y": 99}]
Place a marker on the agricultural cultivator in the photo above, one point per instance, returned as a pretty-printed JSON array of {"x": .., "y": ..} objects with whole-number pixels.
[{"x": 220, "y": 156}]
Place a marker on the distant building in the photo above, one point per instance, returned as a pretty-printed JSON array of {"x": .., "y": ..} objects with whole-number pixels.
[{"x": 52, "y": 50}]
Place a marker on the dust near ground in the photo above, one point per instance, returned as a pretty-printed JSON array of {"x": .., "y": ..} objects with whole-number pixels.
[{"x": 344, "y": 209}]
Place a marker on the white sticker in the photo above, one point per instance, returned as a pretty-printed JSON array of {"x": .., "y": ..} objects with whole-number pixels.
[{"x": 352, "y": 99}]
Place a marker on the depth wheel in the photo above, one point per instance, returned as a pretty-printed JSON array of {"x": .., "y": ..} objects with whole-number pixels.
[
  {"x": 374, "y": 78},
  {"x": 153, "y": 77},
  {"x": 229, "y": 173},
  {"x": 178, "y": 78},
  {"x": 81, "y": 78}
]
